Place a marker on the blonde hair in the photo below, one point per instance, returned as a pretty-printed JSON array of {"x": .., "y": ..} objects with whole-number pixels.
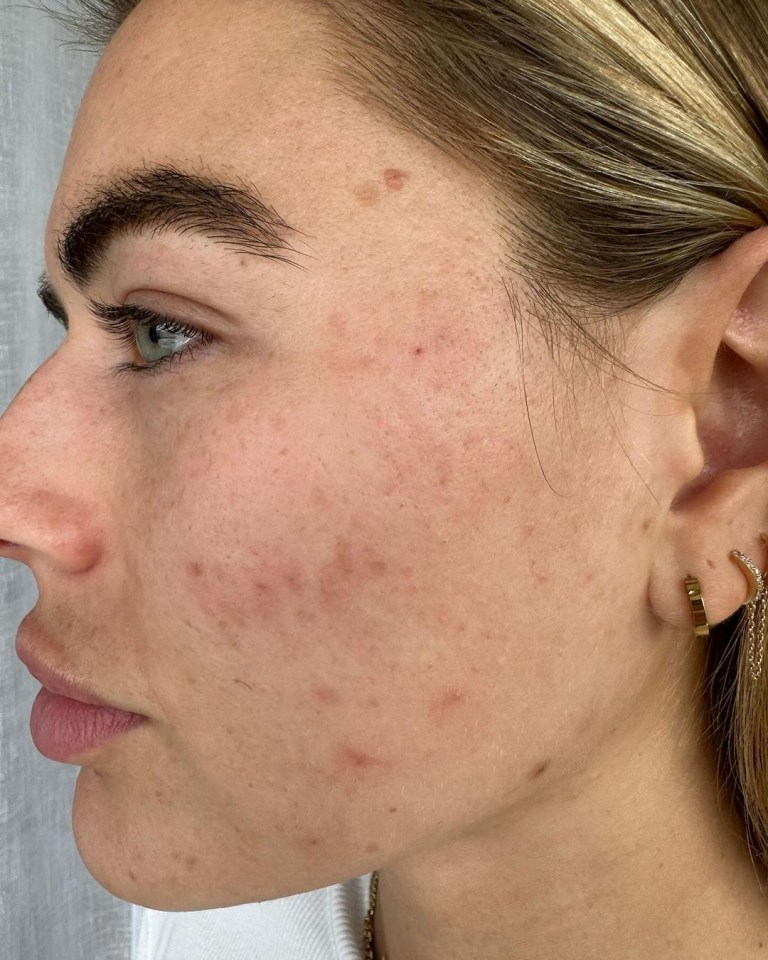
[{"x": 626, "y": 142}]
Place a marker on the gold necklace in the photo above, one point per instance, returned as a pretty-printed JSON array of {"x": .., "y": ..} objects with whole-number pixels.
[{"x": 368, "y": 923}]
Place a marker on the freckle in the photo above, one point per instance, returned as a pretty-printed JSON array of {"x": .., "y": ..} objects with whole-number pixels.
[
  {"x": 194, "y": 568},
  {"x": 393, "y": 809},
  {"x": 366, "y": 194},
  {"x": 190, "y": 862},
  {"x": 284, "y": 451},
  {"x": 373, "y": 703},
  {"x": 158, "y": 793},
  {"x": 711, "y": 564},
  {"x": 314, "y": 841},
  {"x": 132, "y": 875},
  {"x": 417, "y": 351},
  {"x": 319, "y": 498},
  {"x": 394, "y": 178},
  {"x": 539, "y": 769},
  {"x": 371, "y": 847},
  {"x": 646, "y": 525},
  {"x": 175, "y": 855},
  {"x": 590, "y": 576},
  {"x": 325, "y": 694},
  {"x": 377, "y": 567}
]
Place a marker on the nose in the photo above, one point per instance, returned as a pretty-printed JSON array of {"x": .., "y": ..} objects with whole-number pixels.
[{"x": 47, "y": 483}]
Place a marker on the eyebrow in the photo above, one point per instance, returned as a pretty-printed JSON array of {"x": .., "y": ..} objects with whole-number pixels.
[{"x": 163, "y": 198}]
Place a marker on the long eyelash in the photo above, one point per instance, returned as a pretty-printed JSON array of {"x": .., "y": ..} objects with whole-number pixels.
[{"x": 121, "y": 320}]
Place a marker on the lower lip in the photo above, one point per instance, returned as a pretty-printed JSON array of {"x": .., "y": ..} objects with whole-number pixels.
[{"x": 63, "y": 729}]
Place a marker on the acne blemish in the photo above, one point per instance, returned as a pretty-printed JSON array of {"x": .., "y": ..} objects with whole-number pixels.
[
  {"x": 417, "y": 351},
  {"x": 358, "y": 758},
  {"x": 450, "y": 698},
  {"x": 394, "y": 178},
  {"x": 366, "y": 194},
  {"x": 326, "y": 695}
]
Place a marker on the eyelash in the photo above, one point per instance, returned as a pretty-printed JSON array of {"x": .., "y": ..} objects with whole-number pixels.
[{"x": 121, "y": 321}]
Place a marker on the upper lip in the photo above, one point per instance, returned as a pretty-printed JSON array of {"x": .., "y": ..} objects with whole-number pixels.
[{"x": 55, "y": 679}]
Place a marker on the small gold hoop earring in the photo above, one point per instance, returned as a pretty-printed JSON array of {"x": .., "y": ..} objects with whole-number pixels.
[{"x": 700, "y": 622}]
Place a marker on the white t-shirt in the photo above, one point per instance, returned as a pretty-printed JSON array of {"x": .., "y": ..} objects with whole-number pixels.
[{"x": 325, "y": 924}]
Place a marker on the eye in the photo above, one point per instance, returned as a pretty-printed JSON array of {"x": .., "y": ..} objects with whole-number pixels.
[{"x": 148, "y": 332}]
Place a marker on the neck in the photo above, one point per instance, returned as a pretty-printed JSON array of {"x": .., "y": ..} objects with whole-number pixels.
[{"x": 629, "y": 856}]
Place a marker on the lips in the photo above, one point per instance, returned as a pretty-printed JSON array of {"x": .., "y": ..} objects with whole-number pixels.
[{"x": 53, "y": 678}]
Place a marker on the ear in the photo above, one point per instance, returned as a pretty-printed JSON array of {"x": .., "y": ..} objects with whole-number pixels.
[{"x": 718, "y": 318}]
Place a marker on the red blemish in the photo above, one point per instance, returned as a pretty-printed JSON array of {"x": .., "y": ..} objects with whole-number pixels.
[
  {"x": 394, "y": 178},
  {"x": 366, "y": 194},
  {"x": 357, "y": 758},
  {"x": 325, "y": 694},
  {"x": 417, "y": 351},
  {"x": 449, "y": 699}
]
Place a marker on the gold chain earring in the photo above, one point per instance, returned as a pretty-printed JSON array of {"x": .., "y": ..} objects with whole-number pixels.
[{"x": 755, "y": 613}]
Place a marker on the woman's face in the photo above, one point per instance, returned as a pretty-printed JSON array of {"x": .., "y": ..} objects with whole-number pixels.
[{"x": 361, "y": 558}]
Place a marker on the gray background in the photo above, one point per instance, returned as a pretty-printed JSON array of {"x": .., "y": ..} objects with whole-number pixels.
[{"x": 50, "y": 906}]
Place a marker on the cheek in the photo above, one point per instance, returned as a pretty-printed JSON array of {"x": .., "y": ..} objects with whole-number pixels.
[{"x": 310, "y": 533}]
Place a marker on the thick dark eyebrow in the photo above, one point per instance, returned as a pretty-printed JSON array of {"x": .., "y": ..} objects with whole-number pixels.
[{"x": 160, "y": 198}]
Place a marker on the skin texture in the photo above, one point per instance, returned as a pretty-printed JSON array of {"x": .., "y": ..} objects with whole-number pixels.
[{"x": 371, "y": 622}]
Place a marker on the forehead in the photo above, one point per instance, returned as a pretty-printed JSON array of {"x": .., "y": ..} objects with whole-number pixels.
[{"x": 244, "y": 87}]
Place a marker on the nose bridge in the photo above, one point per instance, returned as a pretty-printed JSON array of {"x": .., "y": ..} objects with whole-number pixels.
[{"x": 48, "y": 499}]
